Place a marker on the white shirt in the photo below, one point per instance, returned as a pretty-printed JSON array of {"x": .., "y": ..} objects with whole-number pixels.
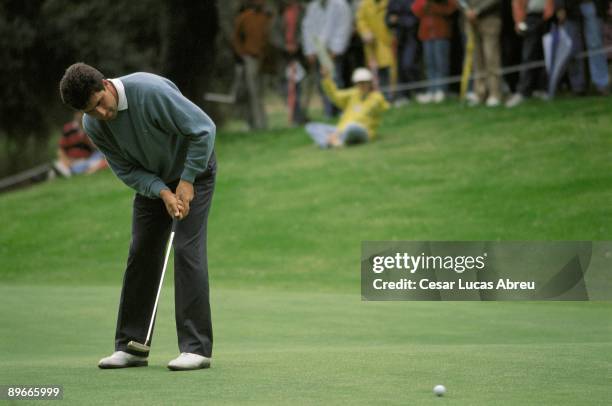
[
  {"x": 122, "y": 103},
  {"x": 333, "y": 25},
  {"x": 535, "y": 6}
]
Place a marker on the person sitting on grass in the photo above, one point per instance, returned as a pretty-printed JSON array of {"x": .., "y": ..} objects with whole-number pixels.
[
  {"x": 76, "y": 153},
  {"x": 361, "y": 108}
]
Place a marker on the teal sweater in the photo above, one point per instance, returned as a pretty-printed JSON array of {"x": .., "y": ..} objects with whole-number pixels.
[{"x": 159, "y": 138}]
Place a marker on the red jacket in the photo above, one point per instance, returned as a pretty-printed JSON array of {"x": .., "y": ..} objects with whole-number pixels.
[
  {"x": 435, "y": 23},
  {"x": 75, "y": 142}
]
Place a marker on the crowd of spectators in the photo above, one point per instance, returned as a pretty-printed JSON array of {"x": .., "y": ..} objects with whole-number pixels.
[{"x": 414, "y": 48}]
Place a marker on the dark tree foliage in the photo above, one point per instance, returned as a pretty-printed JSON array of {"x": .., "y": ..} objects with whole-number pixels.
[
  {"x": 188, "y": 55},
  {"x": 21, "y": 111},
  {"x": 116, "y": 36},
  {"x": 40, "y": 38}
]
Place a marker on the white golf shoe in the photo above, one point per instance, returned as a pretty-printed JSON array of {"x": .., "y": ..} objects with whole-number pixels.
[
  {"x": 515, "y": 100},
  {"x": 121, "y": 359},
  {"x": 188, "y": 361},
  {"x": 493, "y": 101},
  {"x": 438, "y": 96},
  {"x": 424, "y": 98}
]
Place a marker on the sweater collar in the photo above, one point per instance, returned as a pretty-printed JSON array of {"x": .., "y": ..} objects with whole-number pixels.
[{"x": 122, "y": 103}]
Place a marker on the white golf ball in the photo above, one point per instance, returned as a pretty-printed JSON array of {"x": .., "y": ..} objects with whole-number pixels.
[{"x": 439, "y": 390}]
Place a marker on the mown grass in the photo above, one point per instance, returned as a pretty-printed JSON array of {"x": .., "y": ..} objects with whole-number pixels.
[
  {"x": 284, "y": 249},
  {"x": 284, "y": 348},
  {"x": 286, "y": 214}
]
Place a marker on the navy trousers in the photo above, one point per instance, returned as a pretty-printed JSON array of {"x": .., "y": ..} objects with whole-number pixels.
[
  {"x": 532, "y": 51},
  {"x": 151, "y": 226}
]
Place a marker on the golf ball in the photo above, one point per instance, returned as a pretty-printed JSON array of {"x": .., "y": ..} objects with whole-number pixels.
[{"x": 439, "y": 390}]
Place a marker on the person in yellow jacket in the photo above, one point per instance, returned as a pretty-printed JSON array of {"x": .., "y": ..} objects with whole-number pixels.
[
  {"x": 361, "y": 107},
  {"x": 377, "y": 40}
]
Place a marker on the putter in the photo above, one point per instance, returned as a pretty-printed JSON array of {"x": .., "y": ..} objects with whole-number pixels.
[{"x": 146, "y": 346}]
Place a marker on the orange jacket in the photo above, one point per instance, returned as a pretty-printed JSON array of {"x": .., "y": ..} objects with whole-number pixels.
[
  {"x": 519, "y": 10},
  {"x": 435, "y": 23},
  {"x": 251, "y": 30}
]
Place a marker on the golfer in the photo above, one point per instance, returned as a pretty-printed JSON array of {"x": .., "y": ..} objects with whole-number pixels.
[{"x": 161, "y": 145}]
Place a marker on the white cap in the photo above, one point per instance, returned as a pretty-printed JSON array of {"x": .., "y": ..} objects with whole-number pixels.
[{"x": 362, "y": 75}]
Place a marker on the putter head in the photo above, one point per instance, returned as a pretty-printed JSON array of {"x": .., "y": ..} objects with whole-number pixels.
[{"x": 134, "y": 346}]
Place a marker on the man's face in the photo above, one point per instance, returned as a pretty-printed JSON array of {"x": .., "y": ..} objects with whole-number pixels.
[
  {"x": 364, "y": 87},
  {"x": 102, "y": 105}
]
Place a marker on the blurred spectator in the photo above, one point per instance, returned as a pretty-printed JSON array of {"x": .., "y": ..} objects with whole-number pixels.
[
  {"x": 435, "y": 32},
  {"x": 251, "y": 30},
  {"x": 607, "y": 29},
  {"x": 76, "y": 153},
  {"x": 328, "y": 22},
  {"x": 530, "y": 18},
  {"x": 511, "y": 48},
  {"x": 586, "y": 13},
  {"x": 361, "y": 107},
  {"x": 404, "y": 24},
  {"x": 377, "y": 40},
  {"x": 482, "y": 17},
  {"x": 354, "y": 55},
  {"x": 292, "y": 14}
]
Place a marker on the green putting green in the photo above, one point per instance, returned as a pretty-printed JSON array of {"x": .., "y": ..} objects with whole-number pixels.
[
  {"x": 275, "y": 347},
  {"x": 284, "y": 248}
]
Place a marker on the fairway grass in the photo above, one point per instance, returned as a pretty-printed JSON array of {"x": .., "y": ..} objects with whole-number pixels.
[
  {"x": 285, "y": 233},
  {"x": 284, "y": 348},
  {"x": 288, "y": 215}
]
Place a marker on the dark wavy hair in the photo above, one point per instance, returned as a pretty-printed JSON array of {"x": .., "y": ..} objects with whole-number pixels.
[{"x": 78, "y": 84}]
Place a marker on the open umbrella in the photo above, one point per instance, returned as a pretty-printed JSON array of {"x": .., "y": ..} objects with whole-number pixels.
[{"x": 557, "y": 46}]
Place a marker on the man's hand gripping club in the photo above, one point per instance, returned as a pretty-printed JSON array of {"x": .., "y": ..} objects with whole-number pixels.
[{"x": 178, "y": 204}]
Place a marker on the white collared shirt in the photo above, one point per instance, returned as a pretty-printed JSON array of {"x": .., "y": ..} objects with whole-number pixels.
[
  {"x": 122, "y": 103},
  {"x": 332, "y": 24}
]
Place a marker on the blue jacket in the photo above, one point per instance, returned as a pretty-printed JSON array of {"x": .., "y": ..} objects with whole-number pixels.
[{"x": 406, "y": 18}]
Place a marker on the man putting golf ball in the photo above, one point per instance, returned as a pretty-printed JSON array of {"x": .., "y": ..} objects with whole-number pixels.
[{"x": 161, "y": 145}]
